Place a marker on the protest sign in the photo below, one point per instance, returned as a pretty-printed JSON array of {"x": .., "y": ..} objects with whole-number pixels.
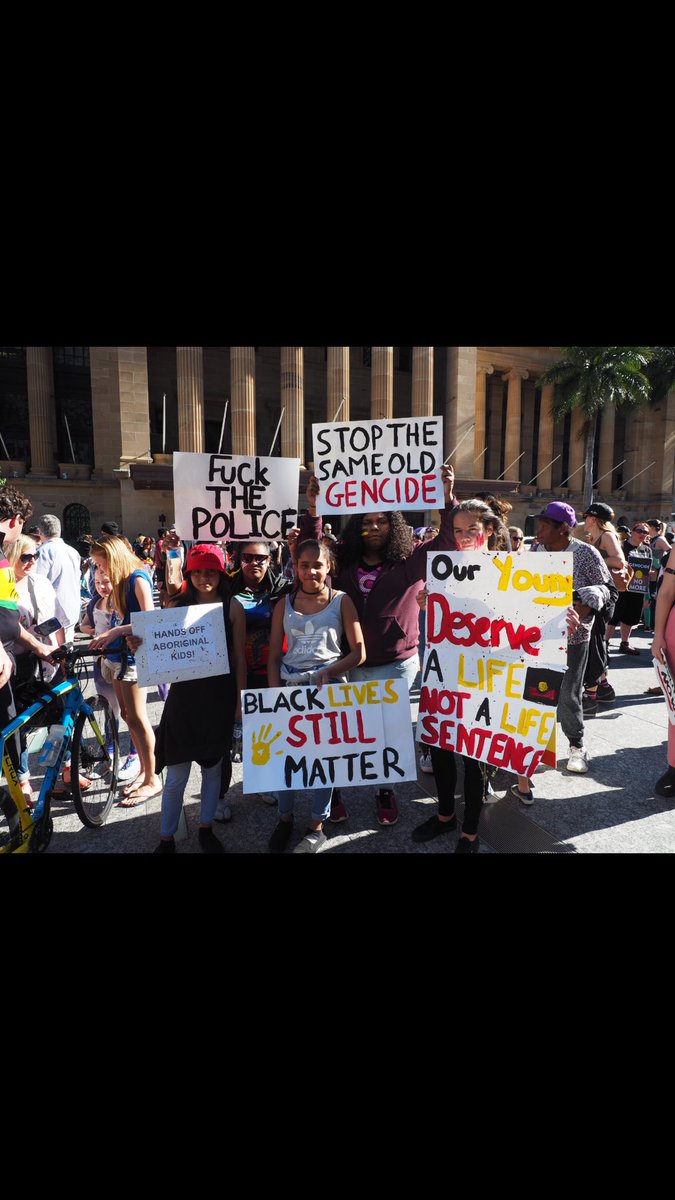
[
  {"x": 339, "y": 735},
  {"x": 496, "y": 654},
  {"x": 375, "y": 466},
  {"x": 234, "y": 498},
  {"x": 665, "y": 678},
  {"x": 180, "y": 643}
]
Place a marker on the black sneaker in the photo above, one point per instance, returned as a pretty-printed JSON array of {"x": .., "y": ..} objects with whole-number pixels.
[
  {"x": 432, "y": 828},
  {"x": 606, "y": 693},
  {"x": 464, "y": 846},
  {"x": 589, "y": 705},
  {"x": 209, "y": 842},
  {"x": 279, "y": 839},
  {"x": 165, "y": 848},
  {"x": 313, "y": 840}
]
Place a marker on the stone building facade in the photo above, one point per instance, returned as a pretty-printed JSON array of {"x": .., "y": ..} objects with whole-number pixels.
[{"x": 90, "y": 430}]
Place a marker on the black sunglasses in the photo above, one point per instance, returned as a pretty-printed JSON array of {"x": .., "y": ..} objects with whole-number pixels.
[
  {"x": 255, "y": 558},
  {"x": 516, "y": 539},
  {"x": 29, "y": 557}
]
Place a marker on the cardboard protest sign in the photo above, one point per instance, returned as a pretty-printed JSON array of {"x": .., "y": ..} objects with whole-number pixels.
[
  {"x": 496, "y": 655},
  {"x": 375, "y": 466},
  {"x": 665, "y": 678},
  {"x": 180, "y": 643},
  {"x": 230, "y": 496},
  {"x": 340, "y": 735}
]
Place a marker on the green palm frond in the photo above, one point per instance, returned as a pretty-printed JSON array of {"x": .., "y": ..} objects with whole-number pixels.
[{"x": 661, "y": 372}]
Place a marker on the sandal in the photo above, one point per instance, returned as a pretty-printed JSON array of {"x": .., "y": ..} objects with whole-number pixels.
[
  {"x": 655, "y": 691},
  {"x": 67, "y": 777}
]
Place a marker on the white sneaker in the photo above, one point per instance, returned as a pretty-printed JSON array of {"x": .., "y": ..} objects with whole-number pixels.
[
  {"x": 577, "y": 762},
  {"x": 223, "y": 812},
  {"x": 426, "y": 764},
  {"x": 130, "y": 769}
]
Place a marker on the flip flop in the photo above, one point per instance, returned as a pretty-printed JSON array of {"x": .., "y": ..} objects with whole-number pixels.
[{"x": 655, "y": 691}]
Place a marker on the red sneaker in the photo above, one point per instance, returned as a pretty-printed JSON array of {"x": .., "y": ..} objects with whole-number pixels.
[{"x": 387, "y": 811}]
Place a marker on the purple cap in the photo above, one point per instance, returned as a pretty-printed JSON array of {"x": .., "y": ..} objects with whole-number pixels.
[{"x": 558, "y": 511}]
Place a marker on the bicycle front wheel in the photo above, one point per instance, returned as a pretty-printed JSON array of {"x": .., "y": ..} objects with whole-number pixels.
[{"x": 94, "y": 761}]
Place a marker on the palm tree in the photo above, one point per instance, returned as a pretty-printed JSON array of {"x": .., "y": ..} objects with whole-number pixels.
[
  {"x": 589, "y": 377},
  {"x": 661, "y": 372}
]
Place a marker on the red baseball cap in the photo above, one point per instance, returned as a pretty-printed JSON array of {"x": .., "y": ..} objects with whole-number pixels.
[{"x": 206, "y": 558}]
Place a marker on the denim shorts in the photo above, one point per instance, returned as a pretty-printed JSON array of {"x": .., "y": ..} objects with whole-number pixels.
[{"x": 110, "y": 669}]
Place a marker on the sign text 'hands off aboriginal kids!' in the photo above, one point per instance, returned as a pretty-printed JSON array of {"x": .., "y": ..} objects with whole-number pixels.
[{"x": 496, "y": 654}]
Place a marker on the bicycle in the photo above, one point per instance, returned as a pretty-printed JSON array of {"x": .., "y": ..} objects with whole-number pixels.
[{"x": 90, "y": 731}]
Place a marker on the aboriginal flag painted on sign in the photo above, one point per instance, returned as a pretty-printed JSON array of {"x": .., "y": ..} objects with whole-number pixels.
[{"x": 542, "y": 686}]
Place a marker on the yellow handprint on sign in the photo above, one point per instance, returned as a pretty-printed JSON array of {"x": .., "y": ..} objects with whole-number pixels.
[{"x": 262, "y": 747}]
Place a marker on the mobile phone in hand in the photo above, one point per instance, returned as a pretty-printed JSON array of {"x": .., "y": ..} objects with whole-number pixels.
[{"x": 46, "y": 627}]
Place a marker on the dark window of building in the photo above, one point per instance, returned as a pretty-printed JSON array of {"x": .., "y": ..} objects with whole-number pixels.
[
  {"x": 367, "y": 355},
  {"x": 76, "y": 522},
  {"x": 14, "y": 404},
  {"x": 405, "y": 358},
  {"x": 72, "y": 388}
]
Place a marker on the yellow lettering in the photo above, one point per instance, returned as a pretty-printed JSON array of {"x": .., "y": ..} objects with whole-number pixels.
[
  {"x": 505, "y": 568},
  {"x": 547, "y": 729},
  {"x": 390, "y": 694},
  {"x": 505, "y": 720},
  {"x": 495, "y": 666},
  {"x": 514, "y": 687},
  {"x": 480, "y": 682},
  {"x": 529, "y": 717}
]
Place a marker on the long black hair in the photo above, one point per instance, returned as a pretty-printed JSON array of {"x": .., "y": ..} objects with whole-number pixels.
[
  {"x": 189, "y": 596},
  {"x": 350, "y": 547}
]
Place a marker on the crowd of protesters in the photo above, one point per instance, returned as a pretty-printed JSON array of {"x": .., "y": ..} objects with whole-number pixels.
[{"x": 364, "y": 591}]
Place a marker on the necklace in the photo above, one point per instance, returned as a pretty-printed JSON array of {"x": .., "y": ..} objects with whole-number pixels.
[{"x": 321, "y": 589}]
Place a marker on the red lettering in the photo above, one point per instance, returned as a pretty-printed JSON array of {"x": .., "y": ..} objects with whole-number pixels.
[
  {"x": 361, "y": 731},
  {"x": 315, "y": 719},
  {"x": 434, "y": 700},
  {"x": 368, "y": 491},
  {"x": 334, "y": 738},
  {"x": 300, "y": 738},
  {"x": 430, "y": 727},
  {"x": 350, "y": 493},
  {"x": 443, "y": 624},
  {"x": 429, "y": 489},
  {"x": 412, "y": 489}
]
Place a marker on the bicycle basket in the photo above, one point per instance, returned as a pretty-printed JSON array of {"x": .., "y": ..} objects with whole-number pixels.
[{"x": 28, "y": 693}]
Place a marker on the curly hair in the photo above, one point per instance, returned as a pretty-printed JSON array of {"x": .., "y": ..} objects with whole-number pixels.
[
  {"x": 13, "y": 503},
  {"x": 350, "y": 547}
]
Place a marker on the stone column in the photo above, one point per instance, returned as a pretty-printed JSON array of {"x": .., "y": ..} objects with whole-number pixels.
[
  {"x": 641, "y": 458},
  {"x": 293, "y": 401},
  {"x": 382, "y": 383},
  {"x": 543, "y": 483},
  {"x": 190, "y": 377},
  {"x": 460, "y": 409},
  {"x": 119, "y": 407},
  {"x": 41, "y": 410},
  {"x": 606, "y": 453},
  {"x": 423, "y": 381},
  {"x": 512, "y": 449},
  {"x": 577, "y": 452},
  {"x": 242, "y": 404},
  {"x": 480, "y": 432},
  {"x": 338, "y": 382},
  {"x": 664, "y": 471}
]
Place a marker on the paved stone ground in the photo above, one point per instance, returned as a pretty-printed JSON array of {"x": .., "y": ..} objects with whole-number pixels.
[{"x": 612, "y": 809}]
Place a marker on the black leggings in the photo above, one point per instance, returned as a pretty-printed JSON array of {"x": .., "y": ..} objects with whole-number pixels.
[{"x": 444, "y": 763}]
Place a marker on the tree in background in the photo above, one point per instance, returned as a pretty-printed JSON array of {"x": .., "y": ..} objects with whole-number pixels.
[{"x": 589, "y": 377}]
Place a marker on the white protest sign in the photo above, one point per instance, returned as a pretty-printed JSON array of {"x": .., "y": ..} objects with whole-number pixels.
[
  {"x": 230, "y": 496},
  {"x": 339, "y": 735},
  {"x": 665, "y": 678},
  {"x": 496, "y": 654},
  {"x": 375, "y": 466},
  {"x": 180, "y": 643}
]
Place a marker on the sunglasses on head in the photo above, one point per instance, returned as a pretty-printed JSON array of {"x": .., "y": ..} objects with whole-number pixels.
[
  {"x": 255, "y": 558},
  {"x": 26, "y": 558}
]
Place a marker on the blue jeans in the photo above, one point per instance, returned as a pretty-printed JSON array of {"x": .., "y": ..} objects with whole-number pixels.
[
  {"x": 406, "y": 669},
  {"x": 177, "y": 776}
]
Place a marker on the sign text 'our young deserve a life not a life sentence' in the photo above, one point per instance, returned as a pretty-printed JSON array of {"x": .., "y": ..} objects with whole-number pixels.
[
  {"x": 375, "y": 466},
  {"x": 496, "y": 654},
  {"x": 341, "y": 735},
  {"x": 234, "y": 498}
]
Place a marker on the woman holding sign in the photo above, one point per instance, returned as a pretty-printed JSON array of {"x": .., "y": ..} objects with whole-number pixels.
[
  {"x": 199, "y": 714},
  {"x": 475, "y": 527},
  {"x": 664, "y": 645},
  {"x": 311, "y": 623},
  {"x": 381, "y": 573}
]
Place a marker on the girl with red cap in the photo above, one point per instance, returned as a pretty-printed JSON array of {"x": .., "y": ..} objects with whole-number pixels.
[{"x": 199, "y": 714}]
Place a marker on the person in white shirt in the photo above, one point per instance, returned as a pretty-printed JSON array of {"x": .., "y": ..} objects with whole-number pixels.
[{"x": 61, "y": 565}]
